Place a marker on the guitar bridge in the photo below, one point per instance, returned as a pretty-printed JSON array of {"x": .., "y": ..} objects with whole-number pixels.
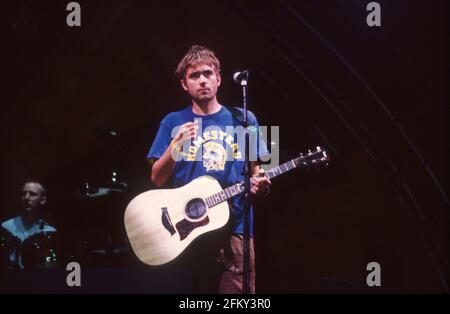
[{"x": 167, "y": 223}]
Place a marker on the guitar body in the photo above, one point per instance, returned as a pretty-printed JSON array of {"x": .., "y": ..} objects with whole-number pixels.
[{"x": 161, "y": 224}]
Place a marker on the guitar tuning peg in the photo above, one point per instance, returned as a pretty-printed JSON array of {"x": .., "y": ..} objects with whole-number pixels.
[
  {"x": 319, "y": 149},
  {"x": 309, "y": 152}
]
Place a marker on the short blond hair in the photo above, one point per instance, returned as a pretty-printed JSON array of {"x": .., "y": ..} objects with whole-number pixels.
[{"x": 195, "y": 56}]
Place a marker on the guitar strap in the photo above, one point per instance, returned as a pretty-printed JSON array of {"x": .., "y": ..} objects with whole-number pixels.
[{"x": 237, "y": 114}]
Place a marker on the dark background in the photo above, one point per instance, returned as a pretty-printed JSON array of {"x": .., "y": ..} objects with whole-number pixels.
[{"x": 375, "y": 97}]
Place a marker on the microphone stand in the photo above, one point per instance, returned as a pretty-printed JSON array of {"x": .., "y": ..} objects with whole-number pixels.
[{"x": 247, "y": 201}]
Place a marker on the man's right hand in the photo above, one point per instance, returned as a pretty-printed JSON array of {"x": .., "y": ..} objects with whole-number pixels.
[
  {"x": 186, "y": 132},
  {"x": 162, "y": 169}
]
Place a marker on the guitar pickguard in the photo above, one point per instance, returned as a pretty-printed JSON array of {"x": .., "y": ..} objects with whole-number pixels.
[{"x": 185, "y": 227}]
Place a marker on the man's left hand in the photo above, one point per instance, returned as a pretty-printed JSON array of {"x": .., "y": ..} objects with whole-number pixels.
[{"x": 260, "y": 184}]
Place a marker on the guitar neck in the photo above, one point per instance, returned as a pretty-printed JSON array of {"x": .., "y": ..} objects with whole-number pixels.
[{"x": 239, "y": 188}]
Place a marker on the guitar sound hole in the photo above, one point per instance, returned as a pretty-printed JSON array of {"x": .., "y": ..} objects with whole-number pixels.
[{"x": 195, "y": 209}]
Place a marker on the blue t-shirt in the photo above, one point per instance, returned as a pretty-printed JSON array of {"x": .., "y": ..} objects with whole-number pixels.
[{"x": 218, "y": 151}]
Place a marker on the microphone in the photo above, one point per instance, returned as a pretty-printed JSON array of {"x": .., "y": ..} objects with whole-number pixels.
[{"x": 238, "y": 77}]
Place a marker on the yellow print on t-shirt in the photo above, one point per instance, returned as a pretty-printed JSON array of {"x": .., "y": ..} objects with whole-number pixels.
[{"x": 214, "y": 153}]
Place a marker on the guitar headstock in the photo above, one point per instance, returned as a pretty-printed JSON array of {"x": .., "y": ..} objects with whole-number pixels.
[{"x": 317, "y": 157}]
